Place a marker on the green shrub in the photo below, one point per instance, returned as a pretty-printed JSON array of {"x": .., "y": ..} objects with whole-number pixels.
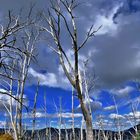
[{"x": 138, "y": 136}]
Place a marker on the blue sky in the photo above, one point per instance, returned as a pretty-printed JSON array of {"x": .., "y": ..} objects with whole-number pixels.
[{"x": 114, "y": 58}]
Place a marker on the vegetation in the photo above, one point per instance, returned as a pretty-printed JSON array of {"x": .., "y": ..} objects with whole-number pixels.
[
  {"x": 6, "y": 137},
  {"x": 138, "y": 136}
]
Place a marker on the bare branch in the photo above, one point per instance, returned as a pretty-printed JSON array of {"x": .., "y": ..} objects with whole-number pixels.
[{"x": 90, "y": 34}]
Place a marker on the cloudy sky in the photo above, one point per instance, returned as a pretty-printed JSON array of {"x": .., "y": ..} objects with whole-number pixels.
[{"x": 114, "y": 57}]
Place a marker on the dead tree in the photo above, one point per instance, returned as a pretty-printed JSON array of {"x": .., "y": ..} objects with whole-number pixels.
[
  {"x": 73, "y": 125},
  {"x": 29, "y": 42},
  {"x": 11, "y": 56},
  {"x": 17, "y": 43},
  {"x": 57, "y": 16}
]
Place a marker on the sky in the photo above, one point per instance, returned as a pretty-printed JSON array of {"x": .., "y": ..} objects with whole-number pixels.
[{"x": 114, "y": 59}]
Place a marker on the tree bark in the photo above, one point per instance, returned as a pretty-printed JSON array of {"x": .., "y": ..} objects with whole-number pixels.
[
  {"x": 73, "y": 125},
  {"x": 89, "y": 134},
  {"x": 88, "y": 121}
]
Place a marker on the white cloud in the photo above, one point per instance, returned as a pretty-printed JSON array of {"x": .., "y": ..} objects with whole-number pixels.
[
  {"x": 95, "y": 105},
  {"x": 108, "y": 25},
  {"x": 56, "y": 115},
  {"x": 116, "y": 116},
  {"x": 3, "y": 90},
  {"x": 133, "y": 115},
  {"x": 51, "y": 79},
  {"x": 69, "y": 115},
  {"x": 2, "y": 123},
  {"x": 109, "y": 108},
  {"x": 123, "y": 92},
  {"x": 126, "y": 102},
  {"x": 45, "y": 79},
  {"x": 5, "y": 100}
]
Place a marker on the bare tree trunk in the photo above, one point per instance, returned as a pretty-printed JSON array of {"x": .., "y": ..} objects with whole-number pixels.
[
  {"x": 82, "y": 122},
  {"x": 88, "y": 124},
  {"x": 73, "y": 127},
  {"x": 89, "y": 135},
  {"x": 87, "y": 118},
  {"x": 60, "y": 118},
  {"x": 85, "y": 110},
  {"x": 21, "y": 95}
]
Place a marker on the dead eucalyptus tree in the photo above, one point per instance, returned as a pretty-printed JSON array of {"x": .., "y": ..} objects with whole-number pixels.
[
  {"x": 17, "y": 43},
  {"x": 29, "y": 43},
  {"x": 10, "y": 53},
  {"x": 61, "y": 15}
]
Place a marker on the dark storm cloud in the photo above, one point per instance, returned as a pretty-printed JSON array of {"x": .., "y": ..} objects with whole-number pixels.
[
  {"x": 118, "y": 57},
  {"x": 16, "y": 5},
  {"x": 115, "y": 50}
]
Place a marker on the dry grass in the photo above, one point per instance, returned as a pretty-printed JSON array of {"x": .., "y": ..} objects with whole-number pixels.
[{"x": 6, "y": 137}]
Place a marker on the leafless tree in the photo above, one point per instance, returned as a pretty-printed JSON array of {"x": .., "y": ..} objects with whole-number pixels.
[
  {"x": 29, "y": 44},
  {"x": 17, "y": 42},
  {"x": 57, "y": 15},
  {"x": 11, "y": 55}
]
